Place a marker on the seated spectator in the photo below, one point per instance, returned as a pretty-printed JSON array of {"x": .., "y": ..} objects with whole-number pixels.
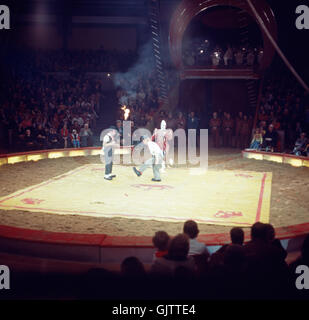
[
  {"x": 257, "y": 140},
  {"x": 75, "y": 126},
  {"x": 233, "y": 278},
  {"x": 270, "y": 139},
  {"x": 270, "y": 230},
  {"x": 190, "y": 228},
  {"x": 132, "y": 267},
  {"x": 217, "y": 258},
  {"x": 75, "y": 139},
  {"x": 53, "y": 139},
  {"x": 29, "y": 140},
  {"x": 266, "y": 263},
  {"x": 86, "y": 136},
  {"x": 237, "y": 236},
  {"x": 177, "y": 257},
  {"x": 300, "y": 145},
  {"x": 41, "y": 137},
  {"x": 161, "y": 241},
  {"x": 64, "y": 132},
  {"x": 235, "y": 259}
]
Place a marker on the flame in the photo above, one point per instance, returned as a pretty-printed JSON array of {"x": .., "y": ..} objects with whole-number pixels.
[{"x": 126, "y": 112}]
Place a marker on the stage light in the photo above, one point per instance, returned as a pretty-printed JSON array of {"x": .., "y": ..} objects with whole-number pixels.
[
  {"x": 55, "y": 155},
  {"x": 108, "y": 75},
  {"x": 77, "y": 153},
  {"x": 256, "y": 156},
  {"x": 12, "y": 160},
  {"x": 294, "y": 162},
  {"x": 95, "y": 152},
  {"x": 3, "y": 161},
  {"x": 36, "y": 157},
  {"x": 201, "y": 51},
  {"x": 278, "y": 159},
  {"x": 306, "y": 163}
]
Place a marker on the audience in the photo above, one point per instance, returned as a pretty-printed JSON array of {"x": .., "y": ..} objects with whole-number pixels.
[
  {"x": 161, "y": 242},
  {"x": 252, "y": 270},
  {"x": 190, "y": 228},
  {"x": 177, "y": 257},
  {"x": 198, "y": 52}
]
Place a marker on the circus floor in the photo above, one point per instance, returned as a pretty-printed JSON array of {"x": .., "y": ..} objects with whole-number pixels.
[{"x": 70, "y": 195}]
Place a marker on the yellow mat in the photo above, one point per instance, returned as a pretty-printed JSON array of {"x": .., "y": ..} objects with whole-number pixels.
[{"x": 215, "y": 197}]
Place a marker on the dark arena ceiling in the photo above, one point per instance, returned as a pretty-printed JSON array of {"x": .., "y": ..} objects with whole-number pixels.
[{"x": 85, "y": 7}]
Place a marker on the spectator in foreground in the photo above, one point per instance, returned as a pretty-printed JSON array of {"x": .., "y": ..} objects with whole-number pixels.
[
  {"x": 177, "y": 257},
  {"x": 132, "y": 267},
  {"x": 190, "y": 228},
  {"x": 161, "y": 241},
  {"x": 271, "y": 237},
  {"x": 237, "y": 238},
  {"x": 266, "y": 264}
]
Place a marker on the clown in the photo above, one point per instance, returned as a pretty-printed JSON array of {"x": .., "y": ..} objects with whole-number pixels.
[{"x": 163, "y": 137}]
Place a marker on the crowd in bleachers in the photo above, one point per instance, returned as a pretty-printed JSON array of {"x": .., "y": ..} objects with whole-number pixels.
[
  {"x": 71, "y": 60},
  {"x": 284, "y": 109},
  {"x": 45, "y": 112},
  {"x": 205, "y": 53},
  {"x": 40, "y": 110},
  {"x": 183, "y": 267}
]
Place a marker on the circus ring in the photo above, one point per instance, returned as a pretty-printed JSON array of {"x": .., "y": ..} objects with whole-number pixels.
[{"x": 46, "y": 241}]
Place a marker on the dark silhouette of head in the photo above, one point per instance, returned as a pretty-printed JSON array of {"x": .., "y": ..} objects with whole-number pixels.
[
  {"x": 258, "y": 231},
  {"x": 270, "y": 232},
  {"x": 132, "y": 267},
  {"x": 237, "y": 236},
  {"x": 190, "y": 228},
  {"x": 161, "y": 240},
  {"x": 179, "y": 247}
]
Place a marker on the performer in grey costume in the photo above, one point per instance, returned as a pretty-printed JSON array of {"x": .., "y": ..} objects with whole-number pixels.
[{"x": 155, "y": 161}]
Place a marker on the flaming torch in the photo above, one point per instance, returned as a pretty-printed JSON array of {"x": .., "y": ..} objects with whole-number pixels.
[{"x": 126, "y": 112}]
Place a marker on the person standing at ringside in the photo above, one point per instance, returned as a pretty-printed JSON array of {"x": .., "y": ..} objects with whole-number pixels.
[
  {"x": 215, "y": 125},
  {"x": 109, "y": 142}
]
